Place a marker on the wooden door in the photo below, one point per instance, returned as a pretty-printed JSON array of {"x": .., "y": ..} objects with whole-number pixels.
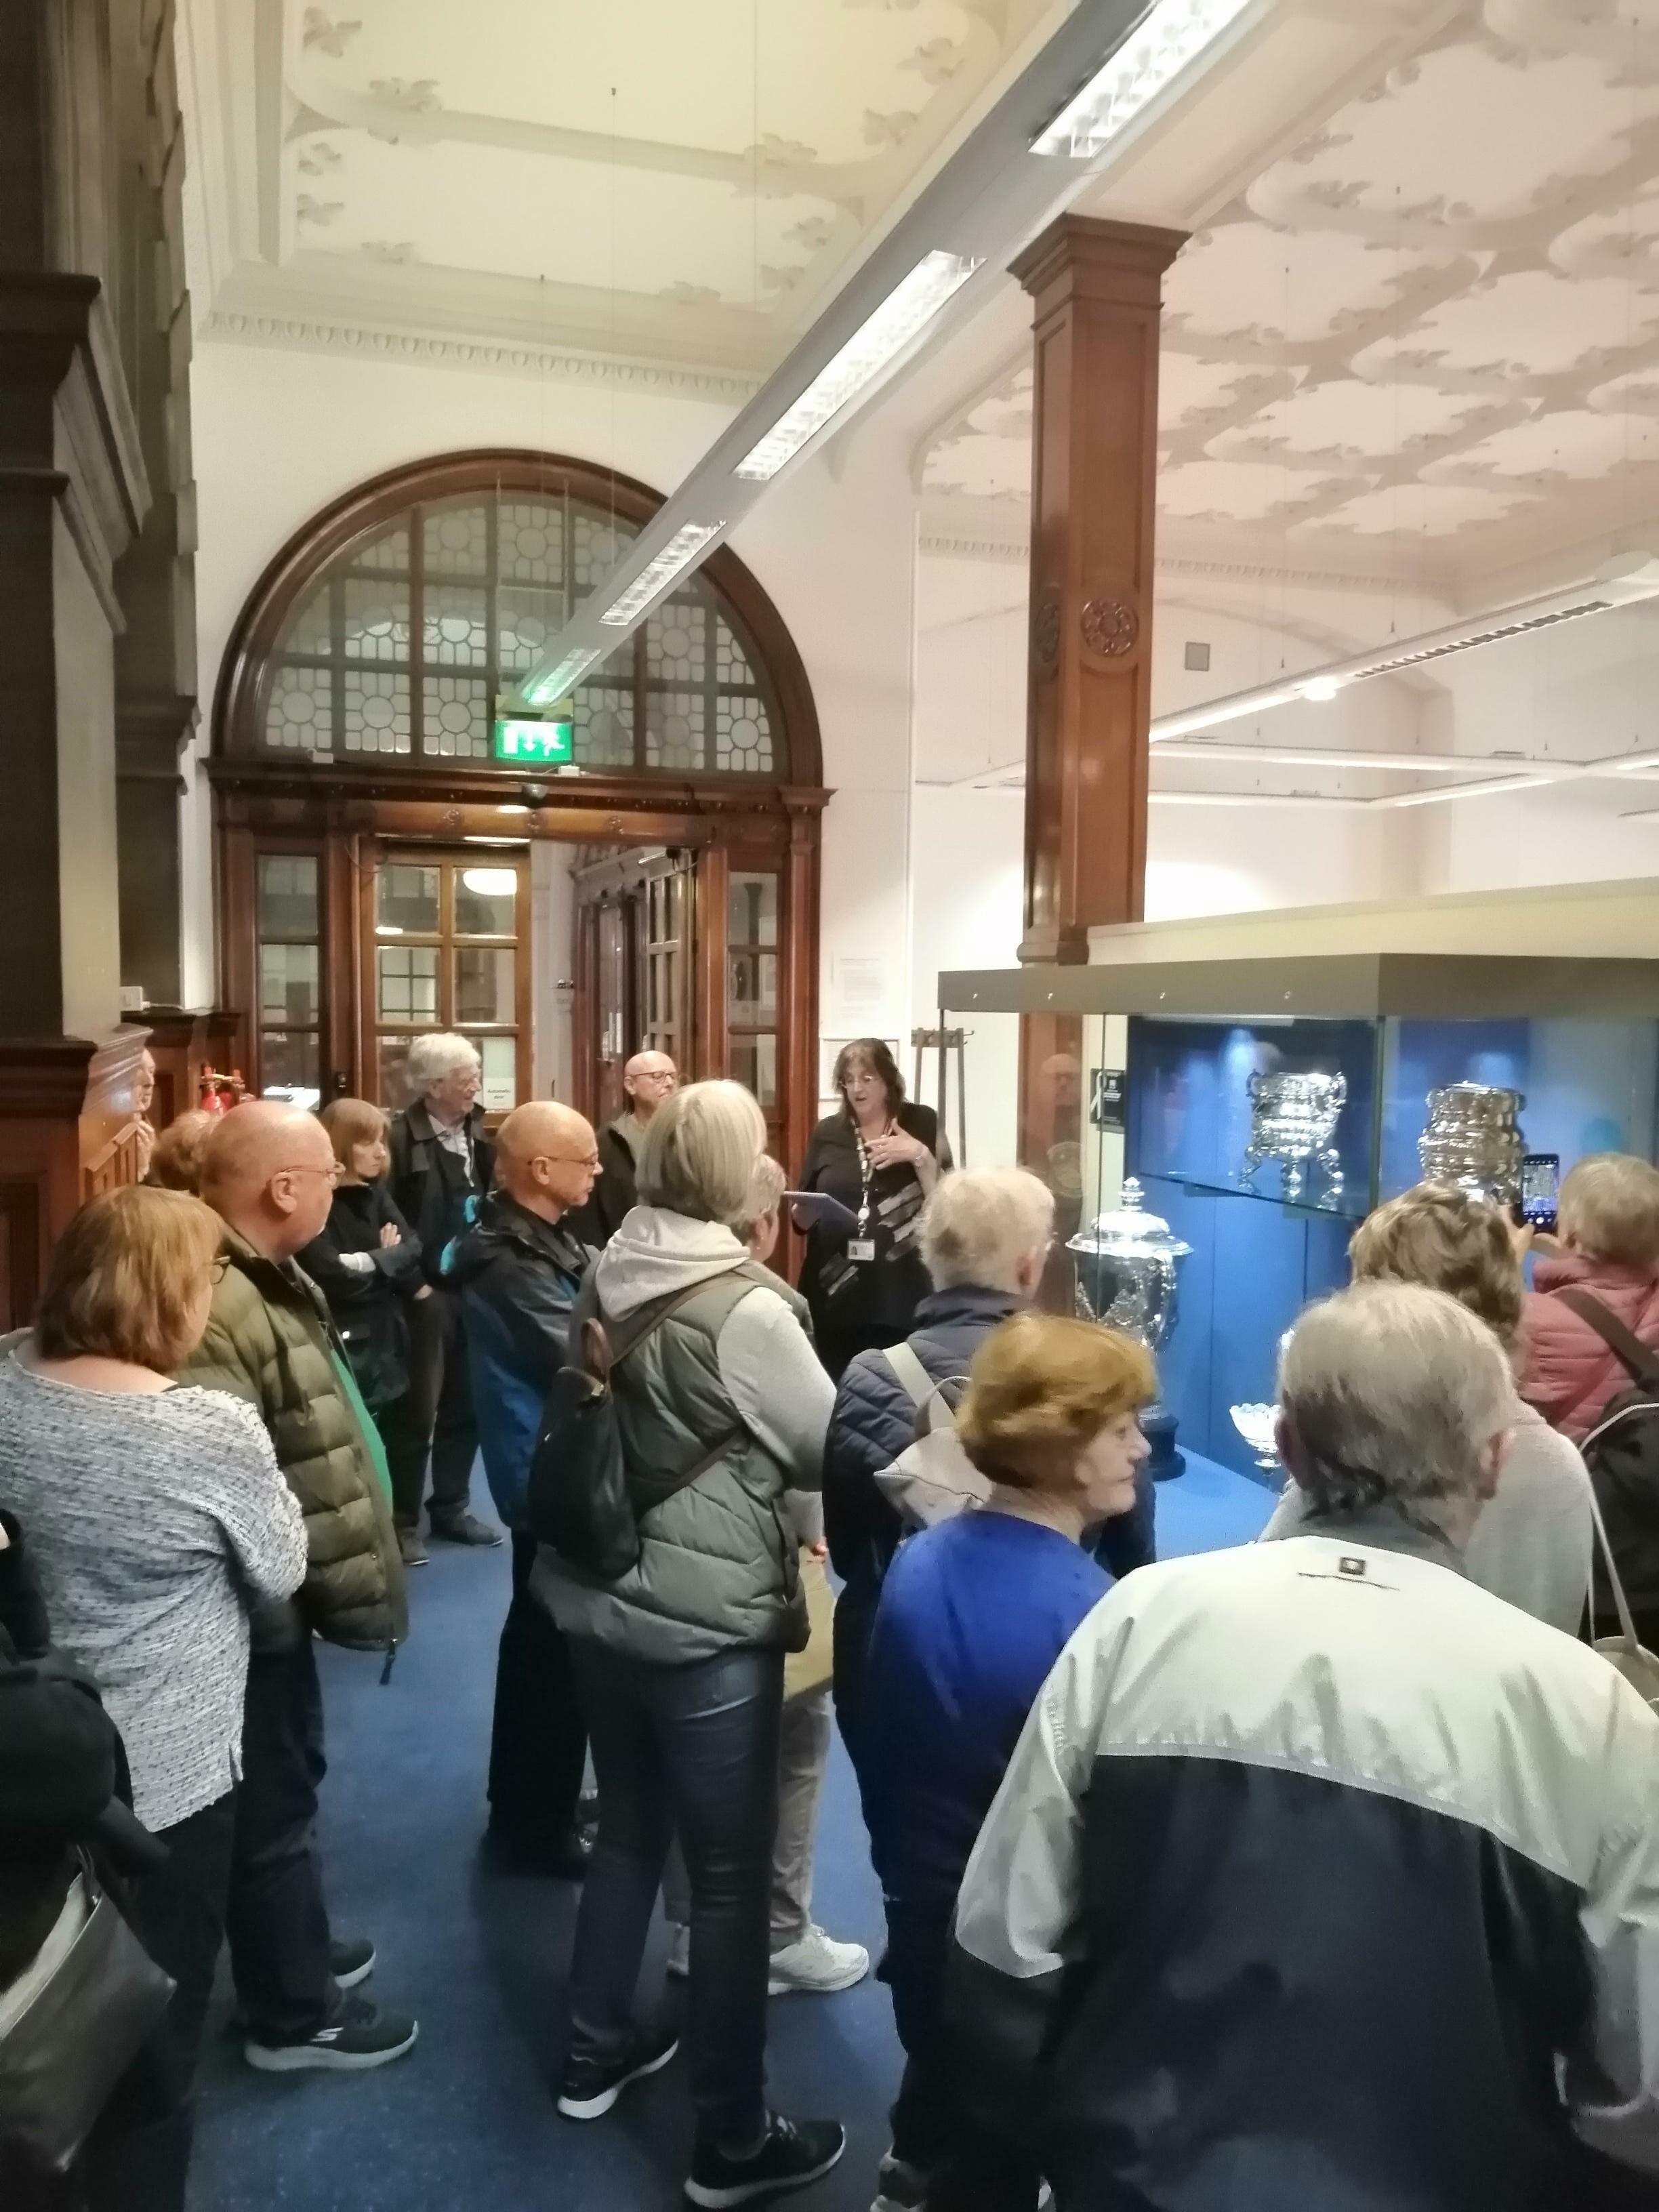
[{"x": 636, "y": 916}]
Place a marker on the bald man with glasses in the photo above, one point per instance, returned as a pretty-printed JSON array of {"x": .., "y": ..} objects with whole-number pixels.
[{"x": 518, "y": 1272}]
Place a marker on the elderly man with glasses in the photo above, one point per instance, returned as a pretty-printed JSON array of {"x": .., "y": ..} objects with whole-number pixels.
[
  {"x": 268, "y": 1171},
  {"x": 516, "y": 1274},
  {"x": 1321, "y": 1876}
]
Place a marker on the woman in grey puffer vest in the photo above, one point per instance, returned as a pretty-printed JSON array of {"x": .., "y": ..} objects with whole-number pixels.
[{"x": 722, "y": 1411}]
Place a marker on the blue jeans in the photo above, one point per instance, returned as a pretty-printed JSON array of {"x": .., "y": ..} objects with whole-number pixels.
[{"x": 691, "y": 1749}]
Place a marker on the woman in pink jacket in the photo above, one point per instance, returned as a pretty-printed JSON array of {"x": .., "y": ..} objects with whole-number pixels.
[{"x": 1609, "y": 1248}]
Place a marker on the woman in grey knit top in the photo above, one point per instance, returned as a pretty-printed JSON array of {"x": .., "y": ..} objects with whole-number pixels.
[{"x": 157, "y": 1516}]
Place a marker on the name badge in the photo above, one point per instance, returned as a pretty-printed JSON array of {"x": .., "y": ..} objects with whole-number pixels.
[{"x": 860, "y": 1247}]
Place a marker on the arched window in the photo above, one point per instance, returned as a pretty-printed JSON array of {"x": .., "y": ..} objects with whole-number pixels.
[{"x": 384, "y": 633}]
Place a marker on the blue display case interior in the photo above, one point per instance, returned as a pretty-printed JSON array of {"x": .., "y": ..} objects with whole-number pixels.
[{"x": 1256, "y": 1259}]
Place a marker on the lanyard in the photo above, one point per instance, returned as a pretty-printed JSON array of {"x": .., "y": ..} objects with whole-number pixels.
[{"x": 866, "y": 1172}]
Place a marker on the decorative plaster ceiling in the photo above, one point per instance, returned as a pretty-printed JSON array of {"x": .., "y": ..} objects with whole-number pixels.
[
  {"x": 1430, "y": 333},
  {"x": 644, "y": 180}
]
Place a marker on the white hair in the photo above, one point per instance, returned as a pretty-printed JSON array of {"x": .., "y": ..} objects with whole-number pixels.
[
  {"x": 1391, "y": 1394},
  {"x": 767, "y": 1184},
  {"x": 699, "y": 1153},
  {"x": 980, "y": 1223},
  {"x": 435, "y": 1055}
]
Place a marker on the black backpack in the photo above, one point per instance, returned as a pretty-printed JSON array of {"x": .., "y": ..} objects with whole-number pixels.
[
  {"x": 579, "y": 1501},
  {"x": 1622, "y": 1455}
]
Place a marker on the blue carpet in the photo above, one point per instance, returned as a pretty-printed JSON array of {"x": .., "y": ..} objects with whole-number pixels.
[{"x": 467, "y": 2119}]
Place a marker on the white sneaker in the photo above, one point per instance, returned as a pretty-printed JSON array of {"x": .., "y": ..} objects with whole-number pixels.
[
  {"x": 679, "y": 1949},
  {"x": 819, "y": 1963}
]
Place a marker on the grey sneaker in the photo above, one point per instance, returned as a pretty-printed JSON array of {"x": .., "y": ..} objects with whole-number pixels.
[
  {"x": 362, "y": 2036},
  {"x": 465, "y": 1529},
  {"x": 817, "y": 1962}
]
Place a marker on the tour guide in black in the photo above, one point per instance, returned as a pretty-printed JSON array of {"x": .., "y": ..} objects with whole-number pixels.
[{"x": 879, "y": 1156}]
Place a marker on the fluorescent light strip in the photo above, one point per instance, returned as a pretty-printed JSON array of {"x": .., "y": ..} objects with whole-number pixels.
[
  {"x": 570, "y": 672},
  {"x": 1254, "y": 799},
  {"x": 682, "y": 548},
  {"x": 1489, "y": 788},
  {"x": 1175, "y": 33},
  {"x": 879, "y": 339},
  {"x": 1194, "y": 748},
  {"x": 1385, "y": 665}
]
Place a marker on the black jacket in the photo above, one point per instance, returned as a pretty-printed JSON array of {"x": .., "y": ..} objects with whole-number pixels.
[
  {"x": 875, "y": 1419},
  {"x": 429, "y": 1186},
  {"x": 886, "y": 1291},
  {"x": 63, "y": 1771},
  {"x": 518, "y": 1277},
  {"x": 615, "y": 1193},
  {"x": 371, "y": 1311}
]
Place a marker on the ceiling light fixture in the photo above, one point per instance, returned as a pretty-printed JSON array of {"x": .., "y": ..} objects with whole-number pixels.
[
  {"x": 879, "y": 339},
  {"x": 655, "y": 577},
  {"x": 1622, "y": 584},
  {"x": 1488, "y": 788},
  {"x": 568, "y": 673},
  {"x": 492, "y": 840},
  {"x": 1174, "y": 34},
  {"x": 1354, "y": 756}
]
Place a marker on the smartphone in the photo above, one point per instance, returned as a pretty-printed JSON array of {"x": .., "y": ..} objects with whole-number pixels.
[{"x": 1540, "y": 1179}]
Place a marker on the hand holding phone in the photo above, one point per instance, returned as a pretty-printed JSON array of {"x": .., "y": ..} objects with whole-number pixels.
[{"x": 1541, "y": 1181}]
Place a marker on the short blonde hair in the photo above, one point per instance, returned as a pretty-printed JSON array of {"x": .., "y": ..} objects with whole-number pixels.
[
  {"x": 1041, "y": 1389},
  {"x": 699, "y": 1152},
  {"x": 980, "y": 1223},
  {"x": 1609, "y": 1207},
  {"x": 126, "y": 1277},
  {"x": 351, "y": 1122},
  {"x": 176, "y": 1162},
  {"x": 766, "y": 1188},
  {"x": 1449, "y": 1240}
]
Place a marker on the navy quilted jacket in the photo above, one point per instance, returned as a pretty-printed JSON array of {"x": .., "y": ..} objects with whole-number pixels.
[{"x": 875, "y": 1419}]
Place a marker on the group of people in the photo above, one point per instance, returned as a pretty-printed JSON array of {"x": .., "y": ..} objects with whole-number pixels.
[{"x": 1322, "y": 1872}]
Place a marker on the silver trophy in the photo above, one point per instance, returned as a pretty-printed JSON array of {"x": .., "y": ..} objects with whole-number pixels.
[
  {"x": 1127, "y": 1278},
  {"x": 1473, "y": 1140},
  {"x": 1293, "y": 1119}
]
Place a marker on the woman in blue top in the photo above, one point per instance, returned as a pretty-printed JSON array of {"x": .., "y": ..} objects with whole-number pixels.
[{"x": 973, "y": 1613}]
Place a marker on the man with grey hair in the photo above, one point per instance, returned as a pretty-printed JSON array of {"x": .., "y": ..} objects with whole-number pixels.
[
  {"x": 442, "y": 1161},
  {"x": 1317, "y": 1868},
  {"x": 984, "y": 1236}
]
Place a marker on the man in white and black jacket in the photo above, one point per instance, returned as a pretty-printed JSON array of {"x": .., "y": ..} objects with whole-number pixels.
[{"x": 1319, "y": 1876}]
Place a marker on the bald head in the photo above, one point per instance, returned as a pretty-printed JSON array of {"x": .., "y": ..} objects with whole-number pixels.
[
  {"x": 546, "y": 1159},
  {"x": 268, "y": 1170},
  {"x": 647, "y": 1079}
]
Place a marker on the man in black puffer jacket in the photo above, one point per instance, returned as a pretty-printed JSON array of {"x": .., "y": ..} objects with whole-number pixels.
[{"x": 984, "y": 1236}]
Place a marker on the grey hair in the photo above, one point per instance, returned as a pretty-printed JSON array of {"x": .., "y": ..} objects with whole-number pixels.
[
  {"x": 700, "y": 1151},
  {"x": 435, "y": 1055},
  {"x": 767, "y": 1185},
  {"x": 980, "y": 1223},
  {"x": 1391, "y": 1393}
]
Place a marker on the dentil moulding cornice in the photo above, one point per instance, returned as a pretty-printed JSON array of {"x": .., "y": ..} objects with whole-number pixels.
[{"x": 309, "y": 334}]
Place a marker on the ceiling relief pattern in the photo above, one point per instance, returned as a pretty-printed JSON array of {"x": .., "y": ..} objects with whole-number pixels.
[
  {"x": 661, "y": 184},
  {"x": 1434, "y": 325}
]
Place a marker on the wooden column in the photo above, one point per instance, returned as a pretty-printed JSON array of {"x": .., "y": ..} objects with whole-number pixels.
[{"x": 1097, "y": 292}]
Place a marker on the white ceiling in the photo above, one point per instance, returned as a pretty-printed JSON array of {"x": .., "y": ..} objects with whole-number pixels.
[
  {"x": 644, "y": 180},
  {"x": 1426, "y": 338}
]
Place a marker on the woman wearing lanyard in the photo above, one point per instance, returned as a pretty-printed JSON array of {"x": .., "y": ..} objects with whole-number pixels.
[{"x": 878, "y": 1157}]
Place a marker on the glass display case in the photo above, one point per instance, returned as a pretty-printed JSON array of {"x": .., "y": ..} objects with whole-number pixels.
[{"x": 1240, "y": 1118}]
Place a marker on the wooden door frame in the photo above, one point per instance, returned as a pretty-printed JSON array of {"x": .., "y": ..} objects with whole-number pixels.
[{"x": 347, "y": 814}]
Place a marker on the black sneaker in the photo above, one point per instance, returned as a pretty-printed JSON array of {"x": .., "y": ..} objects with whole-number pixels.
[
  {"x": 363, "y": 2036},
  {"x": 591, "y": 2086},
  {"x": 465, "y": 1529},
  {"x": 793, "y": 2154},
  {"x": 350, "y": 1960}
]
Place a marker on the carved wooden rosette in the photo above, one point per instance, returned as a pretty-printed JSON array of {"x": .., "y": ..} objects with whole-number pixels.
[{"x": 1097, "y": 286}]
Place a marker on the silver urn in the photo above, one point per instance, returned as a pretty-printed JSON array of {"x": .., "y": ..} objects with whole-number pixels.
[
  {"x": 1293, "y": 1119},
  {"x": 1126, "y": 1270},
  {"x": 1473, "y": 1140}
]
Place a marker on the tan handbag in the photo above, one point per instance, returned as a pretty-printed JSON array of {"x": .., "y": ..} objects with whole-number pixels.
[
  {"x": 811, "y": 1668},
  {"x": 1625, "y": 1651}
]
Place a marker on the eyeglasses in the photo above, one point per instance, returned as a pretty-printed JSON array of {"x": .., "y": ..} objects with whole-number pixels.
[
  {"x": 568, "y": 1160},
  {"x": 333, "y": 1170},
  {"x": 218, "y": 1268}
]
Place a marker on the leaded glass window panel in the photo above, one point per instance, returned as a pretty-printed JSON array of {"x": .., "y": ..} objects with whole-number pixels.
[{"x": 404, "y": 644}]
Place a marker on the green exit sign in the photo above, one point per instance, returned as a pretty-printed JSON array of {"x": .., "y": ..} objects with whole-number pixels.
[{"x": 539, "y": 744}]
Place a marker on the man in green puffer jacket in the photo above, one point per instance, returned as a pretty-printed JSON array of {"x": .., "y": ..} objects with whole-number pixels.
[{"x": 268, "y": 1171}]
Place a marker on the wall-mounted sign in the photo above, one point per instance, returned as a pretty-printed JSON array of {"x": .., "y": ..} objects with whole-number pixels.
[
  {"x": 535, "y": 744},
  {"x": 1107, "y": 1099}
]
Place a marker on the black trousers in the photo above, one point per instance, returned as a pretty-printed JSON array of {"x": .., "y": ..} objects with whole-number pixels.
[
  {"x": 967, "y": 2168},
  {"x": 277, "y": 1920},
  {"x": 407, "y": 1437},
  {"x": 442, "y": 1391},
  {"x": 855, "y": 1624},
  {"x": 538, "y": 1744},
  {"x": 691, "y": 1748},
  {"x": 139, "y": 2153}
]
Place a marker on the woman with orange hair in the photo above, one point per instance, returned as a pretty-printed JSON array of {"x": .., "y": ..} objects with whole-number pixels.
[{"x": 973, "y": 1613}]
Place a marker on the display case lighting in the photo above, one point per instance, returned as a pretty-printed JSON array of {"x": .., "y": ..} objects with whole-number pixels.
[
  {"x": 1174, "y": 34},
  {"x": 873, "y": 347}
]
